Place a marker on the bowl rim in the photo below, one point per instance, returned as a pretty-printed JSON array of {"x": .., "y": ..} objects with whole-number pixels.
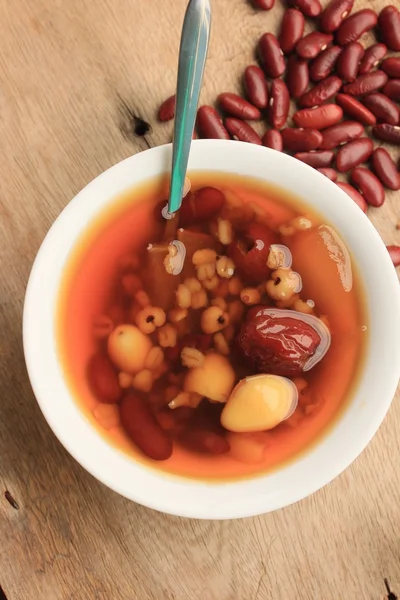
[{"x": 162, "y": 491}]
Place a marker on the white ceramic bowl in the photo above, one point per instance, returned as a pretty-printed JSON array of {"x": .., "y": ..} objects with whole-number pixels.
[{"x": 180, "y": 496}]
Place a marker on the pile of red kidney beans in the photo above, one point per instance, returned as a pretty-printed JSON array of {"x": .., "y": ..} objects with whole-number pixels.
[{"x": 347, "y": 96}]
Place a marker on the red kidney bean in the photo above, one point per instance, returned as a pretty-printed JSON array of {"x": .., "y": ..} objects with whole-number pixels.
[
  {"x": 103, "y": 379},
  {"x": 242, "y": 131},
  {"x": 206, "y": 442},
  {"x": 373, "y": 55},
  {"x": 387, "y": 133},
  {"x": 340, "y": 134},
  {"x": 334, "y": 14},
  {"x": 166, "y": 112},
  {"x": 365, "y": 84},
  {"x": 312, "y": 44},
  {"x": 355, "y": 26},
  {"x": 389, "y": 25},
  {"x": 309, "y": 8},
  {"x": 392, "y": 89},
  {"x": 301, "y": 140},
  {"x": 238, "y": 107},
  {"x": 175, "y": 421},
  {"x": 264, "y": 4},
  {"x": 200, "y": 206},
  {"x": 297, "y": 78},
  {"x": 394, "y": 253},
  {"x": 369, "y": 185},
  {"x": 319, "y": 159},
  {"x": 354, "y": 153},
  {"x": 354, "y": 195},
  {"x": 271, "y": 56},
  {"x": 273, "y": 139},
  {"x": 391, "y": 66},
  {"x": 325, "y": 63},
  {"x": 209, "y": 124},
  {"x": 279, "y": 102},
  {"x": 385, "y": 169},
  {"x": 355, "y": 109},
  {"x": 328, "y": 172},
  {"x": 255, "y": 86},
  {"x": 143, "y": 429},
  {"x": 292, "y": 29},
  {"x": 383, "y": 108},
  {"x": 318, "y": 118},
  {"x": 349, "y": 61},
  {"x": 320, "y": 93}
]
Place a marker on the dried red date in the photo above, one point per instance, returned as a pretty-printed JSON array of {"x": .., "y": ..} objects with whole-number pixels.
[
  {"x": 318, "y": 159},
  {"x": 282, "y": 342},
  {"x": 365, "y": 84},
  {"x": 309, "y": 8},
  {"x": 385, "y": 169},
  {"x": 209, "y": 124},
  {"x": 325, "y": 63},
  {"x": 354, "y": 153},
  {"x": 312, "y": 44},
  {"x": 255, "y": 86},
  {"x": 205, "y": 442},
  {"x": 250, "y": 252},
  {"x": 143, "y": 429},
  {"x": 292, "y": 28},
  {"x": 242, "y": 131},
  {"x": 389, "y": 25},
  {"x": 279, "y": 103},
  {"x": 103, "y": 379},
  {"x": 355, "y": 109},
  {"x": 354, "y": 195},
  {"x": 200, "y": 206},
  {"x": 238, "y": 107},
  {"x": 356, "y": 25},
  {"x": 328, "y": 172},
  {"x": 273, "y": 139},
  {"x": 166, "y": 111},
  {"x": 318, "y": 118},
  {"x": 271, "y": 56},
  {"x": 340, "y": 134},
  {"x": 301, "y": 140},
  {"x": 394, "y": 253},
  {"x": 391, "y": 66},
  {"x": 392, "y": 89},
  {"x": 334, "y": 14},
  {"x": 383, "y": 108},
  {"x": 322, "y": 92},
  {"x": 349, "y": 61},
  {"x": 369, "y": 185},
  {"x": 372, "y": 57},
  {"x": 297, "y": 77},
  {"x": 387, "y": 133}
]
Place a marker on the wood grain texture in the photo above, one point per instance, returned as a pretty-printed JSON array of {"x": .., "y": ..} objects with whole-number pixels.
[{"x": 72, "y": 74}]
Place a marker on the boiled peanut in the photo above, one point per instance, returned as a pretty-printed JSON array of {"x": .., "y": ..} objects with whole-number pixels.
[{"x": 128, "y": 348}]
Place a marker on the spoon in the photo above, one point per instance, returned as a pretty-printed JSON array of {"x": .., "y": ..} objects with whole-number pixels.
[{"x": 192, "y": 58}]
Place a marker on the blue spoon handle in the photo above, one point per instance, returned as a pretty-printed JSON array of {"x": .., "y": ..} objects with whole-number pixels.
[{"x": 192, "y": 58}]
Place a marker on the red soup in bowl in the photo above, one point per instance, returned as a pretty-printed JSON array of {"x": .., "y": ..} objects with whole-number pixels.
[{"x": 220, "y": 343}]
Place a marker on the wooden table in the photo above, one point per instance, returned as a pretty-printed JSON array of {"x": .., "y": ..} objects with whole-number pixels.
[{"x": 73, "y": 76}]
